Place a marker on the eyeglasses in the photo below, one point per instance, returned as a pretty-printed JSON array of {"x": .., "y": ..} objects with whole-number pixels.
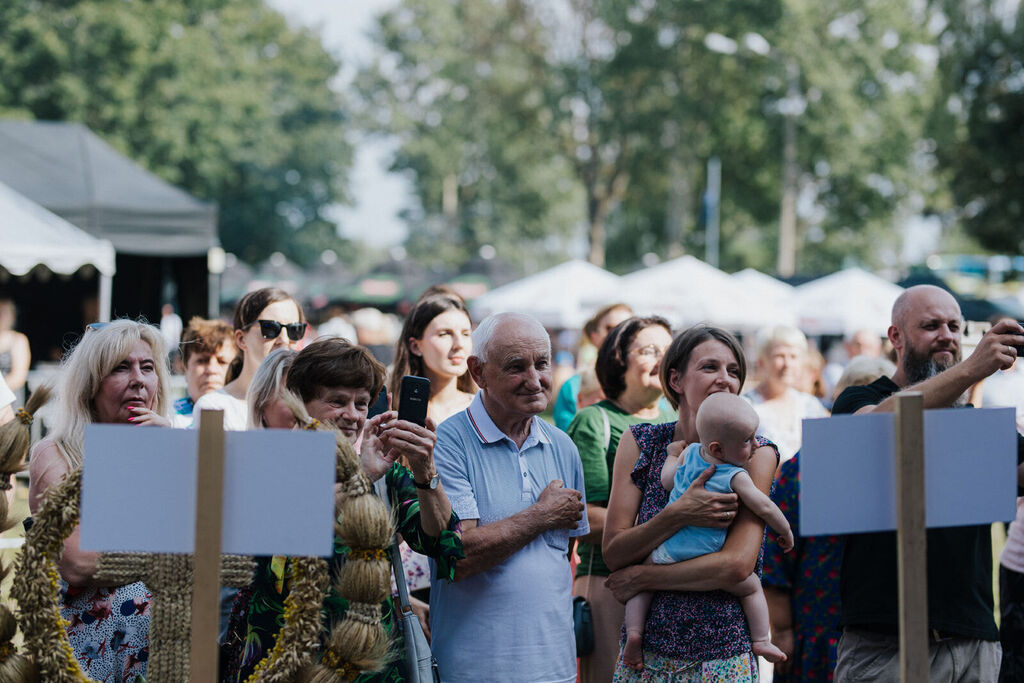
[
  {"x": 271, "y": 329},
  {"x": 650, "y": 351},
  {"x": 95, "y": 326}
]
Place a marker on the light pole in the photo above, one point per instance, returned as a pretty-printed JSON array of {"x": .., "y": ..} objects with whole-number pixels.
[{"x": 791, "y": 107}]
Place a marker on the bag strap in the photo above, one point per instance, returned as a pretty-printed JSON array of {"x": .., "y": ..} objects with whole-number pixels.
[
  {"x": 607, "y": 430},
  {"x": 607, "y": 445},
  {"x": 381, "y": 488}
]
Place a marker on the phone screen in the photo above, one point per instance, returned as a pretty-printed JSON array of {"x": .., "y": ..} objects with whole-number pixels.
[{"x": 380, "y": 405}]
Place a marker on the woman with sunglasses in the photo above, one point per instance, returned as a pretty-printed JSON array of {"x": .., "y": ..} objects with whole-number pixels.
[{"x": 264, "y": 320}]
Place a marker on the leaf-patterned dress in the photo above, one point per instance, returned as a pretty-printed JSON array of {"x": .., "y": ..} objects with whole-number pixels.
[{"x": 258, "y": 612}]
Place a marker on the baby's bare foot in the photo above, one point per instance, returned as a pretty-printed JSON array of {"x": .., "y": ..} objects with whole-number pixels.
[
  {"x": 633, "y": 651},
  {"x": 764, "y": 648}
]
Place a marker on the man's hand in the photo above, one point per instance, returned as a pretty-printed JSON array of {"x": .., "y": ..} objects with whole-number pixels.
[
  {"x": 562, "y": 507},
  {"x": 700, "y": 507},
  {"x": 996, "y": 349}
]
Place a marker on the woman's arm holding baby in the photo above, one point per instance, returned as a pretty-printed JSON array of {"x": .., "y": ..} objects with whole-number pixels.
[{"x": 730, "y": 565}]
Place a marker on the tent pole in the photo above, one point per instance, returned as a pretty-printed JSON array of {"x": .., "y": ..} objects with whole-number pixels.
[{"x": 106, "y": 289}]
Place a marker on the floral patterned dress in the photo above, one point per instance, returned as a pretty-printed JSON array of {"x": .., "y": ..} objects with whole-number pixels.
[
  {"x": 108, "y": 629},
  {"x": 810, "y": 574},
  {"x": 258, "y": 612},
  {"x": 691, "y": 636}
]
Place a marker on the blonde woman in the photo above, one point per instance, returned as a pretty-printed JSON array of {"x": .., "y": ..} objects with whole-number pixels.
[
  {"x": 266, "y": 409},
  {"x": 117, "y": 374}
]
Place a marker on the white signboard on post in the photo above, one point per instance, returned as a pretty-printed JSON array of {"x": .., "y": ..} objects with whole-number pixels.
[
  {"x": 847, "y": 471},
  {"x": 139, "y": 491}
]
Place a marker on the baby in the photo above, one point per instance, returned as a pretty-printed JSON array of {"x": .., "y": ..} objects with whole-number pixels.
[{"x": 726, "y": 424}]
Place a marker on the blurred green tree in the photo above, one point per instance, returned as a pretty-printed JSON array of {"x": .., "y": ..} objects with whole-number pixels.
[
  {"x": 498, "y": 103},
  {"x": 977, "y": 126},
  {"x": 219, "y": 97}
]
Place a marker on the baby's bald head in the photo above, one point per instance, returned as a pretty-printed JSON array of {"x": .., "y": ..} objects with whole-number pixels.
[{"x": 725, "y": 417}]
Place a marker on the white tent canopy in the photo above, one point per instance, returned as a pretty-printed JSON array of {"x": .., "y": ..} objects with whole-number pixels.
[
  {"x": 768, "y": 286},
  {"x": 845, "y": 302},
  {"x": 31, "y": 236},
  {"x": 687, "y": 290},
  {"x": 553, "y": 296}
]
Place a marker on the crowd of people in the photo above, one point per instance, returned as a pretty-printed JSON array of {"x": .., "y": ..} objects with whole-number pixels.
[{"x": 646, "y": 495}]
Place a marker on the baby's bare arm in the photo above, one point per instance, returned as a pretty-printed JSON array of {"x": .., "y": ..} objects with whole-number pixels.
[
  {"x": 672, "y": 463},
  {"x": 762, "y": 506}
]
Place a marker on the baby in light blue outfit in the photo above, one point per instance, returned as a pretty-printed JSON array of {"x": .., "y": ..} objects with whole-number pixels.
[{"x": 726, "y": 424}]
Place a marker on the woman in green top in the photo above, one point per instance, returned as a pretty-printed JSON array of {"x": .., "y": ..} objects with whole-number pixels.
[{"x": 628, "y": 364}]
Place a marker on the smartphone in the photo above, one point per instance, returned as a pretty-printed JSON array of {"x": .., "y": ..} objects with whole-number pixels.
[
  {"x": 413, "y": 398},
  {"x": 380, "y": 405},
  {"x": 1020, "y": 347}
]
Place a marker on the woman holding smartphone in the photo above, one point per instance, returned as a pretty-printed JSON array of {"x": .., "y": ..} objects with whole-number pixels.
[
  {"x": 435, "y": 343},
  {"x": 265, "y": 320}
]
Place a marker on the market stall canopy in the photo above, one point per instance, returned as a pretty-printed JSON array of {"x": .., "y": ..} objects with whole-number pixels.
[
  {"x": 687, "y": 290},
  {"x": 73, "y": 173},
  {"x": 845, "y": 302},
  {"x": 31, "y": 236},
  {"x": 554, "y": 296},
  {"x": 766, "y": 285}
]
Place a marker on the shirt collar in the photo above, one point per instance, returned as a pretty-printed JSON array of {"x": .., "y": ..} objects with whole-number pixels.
[{"x": 488, "y": 432}]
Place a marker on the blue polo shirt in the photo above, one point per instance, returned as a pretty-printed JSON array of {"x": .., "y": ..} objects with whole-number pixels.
[{"x": 514, "y": 621}]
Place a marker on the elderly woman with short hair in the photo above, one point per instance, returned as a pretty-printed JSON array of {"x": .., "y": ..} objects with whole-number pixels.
[
  {"x": 117, "y": 374},
  {"x": 781, "y": 406}
]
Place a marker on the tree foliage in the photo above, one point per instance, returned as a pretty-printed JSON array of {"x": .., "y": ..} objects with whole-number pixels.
[
  {"x": 219, "y": 97},
  {"x": 978, "y": 123},
  {"x": 625, "y": 101}
]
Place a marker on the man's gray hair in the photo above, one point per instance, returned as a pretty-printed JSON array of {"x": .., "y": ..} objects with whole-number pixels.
[{"x": 483, "y": 335}]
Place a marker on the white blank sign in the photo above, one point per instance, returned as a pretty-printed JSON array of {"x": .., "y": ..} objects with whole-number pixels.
[
  {"x": 139, "y": 491},
  {"x": 847, "y": 471}
]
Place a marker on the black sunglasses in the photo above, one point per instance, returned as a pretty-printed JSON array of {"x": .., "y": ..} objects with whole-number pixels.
[{"x": 270, "y": 329}]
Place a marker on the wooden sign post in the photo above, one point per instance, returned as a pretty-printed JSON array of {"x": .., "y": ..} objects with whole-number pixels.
[
  {"x": 226, "y": 480},
  {"x": 206, "y": 562},
  {"x": 911, "y": 537}
]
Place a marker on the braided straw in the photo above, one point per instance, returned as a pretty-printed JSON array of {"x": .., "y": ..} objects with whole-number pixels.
[{"x": 35, "y": 585}]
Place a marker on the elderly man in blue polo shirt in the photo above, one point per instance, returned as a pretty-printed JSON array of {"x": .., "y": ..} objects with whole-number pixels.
[{"x": 516, "y": 483}]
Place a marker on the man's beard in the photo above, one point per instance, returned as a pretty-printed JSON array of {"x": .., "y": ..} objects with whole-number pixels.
[{"x": 917, "y": 367}]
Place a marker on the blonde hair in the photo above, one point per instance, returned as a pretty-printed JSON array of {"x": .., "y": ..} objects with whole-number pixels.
[
  {"x": 267, "y": 385},
  {"x": 84, "y": 369},
  {"x": 15, "y": 437},
  {"x": 864, "y": 370},
  {"x": 780, "y": 334}
]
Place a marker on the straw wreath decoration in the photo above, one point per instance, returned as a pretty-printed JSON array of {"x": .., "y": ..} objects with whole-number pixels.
[{"x": 358, "y": 643}]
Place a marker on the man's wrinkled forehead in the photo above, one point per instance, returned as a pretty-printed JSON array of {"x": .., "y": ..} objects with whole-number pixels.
[{"x": 529, "y": 349}]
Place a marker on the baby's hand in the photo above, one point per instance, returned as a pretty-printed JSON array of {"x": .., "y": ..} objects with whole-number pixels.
[
  {"x": 675, "y": 448},
  {"x": 786, "y": 540}
]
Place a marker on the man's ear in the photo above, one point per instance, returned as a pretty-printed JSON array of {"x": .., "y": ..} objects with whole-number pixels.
[
  {"x": 476, "y": 370},
  {"x": 895, "y": 336}
]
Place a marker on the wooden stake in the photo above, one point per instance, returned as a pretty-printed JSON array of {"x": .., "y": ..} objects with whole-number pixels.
[
  {"x": 911, "y": 537},
  {"x": 206, "y": 574}
]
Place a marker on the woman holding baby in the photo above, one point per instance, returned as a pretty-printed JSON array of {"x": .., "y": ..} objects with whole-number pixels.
[{"x": 695, "y": 631}]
